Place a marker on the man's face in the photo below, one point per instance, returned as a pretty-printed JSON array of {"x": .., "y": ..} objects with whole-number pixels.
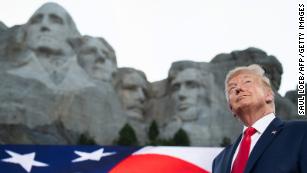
[
  {"x": 48, "y": 30},
  {"x": 96, "y": 61},
  {"x": 247, "y": 90},
  {"x": 133, "y": 94},
  {"x": 188, "y": 92}
]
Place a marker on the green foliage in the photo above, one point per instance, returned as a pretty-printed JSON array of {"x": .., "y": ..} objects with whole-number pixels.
[
  {"x": 225, "y": 142},
  {"x": 181, "y": 138},
  {"x": 127, "y": 136},
  {"x": 166, "y": 142},
  {"x": 153, "y": 132},
  {"x": 85, "y": 140}
]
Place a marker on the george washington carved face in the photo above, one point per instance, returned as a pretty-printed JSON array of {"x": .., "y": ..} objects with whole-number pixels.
[{"x": 49, "y": 29}]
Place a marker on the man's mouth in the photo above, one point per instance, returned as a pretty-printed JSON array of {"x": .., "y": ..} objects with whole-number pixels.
[
  {"x": 137, "y": 109},
  {"x": 183, "y": 106},
  {"x": 241, "y": 97}
]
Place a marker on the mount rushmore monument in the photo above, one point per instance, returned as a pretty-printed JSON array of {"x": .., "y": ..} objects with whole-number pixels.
[{"x": 57, "y": 85}]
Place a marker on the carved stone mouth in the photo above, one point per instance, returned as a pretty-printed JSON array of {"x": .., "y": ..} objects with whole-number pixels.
[
  {"x": 183, "y": 106},
  {"x": 137, "y": 109}
]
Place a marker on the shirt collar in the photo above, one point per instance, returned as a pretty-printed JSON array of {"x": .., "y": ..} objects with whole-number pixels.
[{"x": 261, "y": 124}]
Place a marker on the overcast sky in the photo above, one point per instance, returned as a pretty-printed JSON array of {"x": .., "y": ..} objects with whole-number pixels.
[{"x": 151, "y": 34}]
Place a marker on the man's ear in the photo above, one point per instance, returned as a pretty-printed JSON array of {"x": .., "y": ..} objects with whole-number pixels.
[
  {"x": 230, "y": 107},
  {"x": 269, "y": 97}
]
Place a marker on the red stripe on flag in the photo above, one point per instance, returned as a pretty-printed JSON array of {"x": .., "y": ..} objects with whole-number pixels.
[{"x": 153, "y": 163}]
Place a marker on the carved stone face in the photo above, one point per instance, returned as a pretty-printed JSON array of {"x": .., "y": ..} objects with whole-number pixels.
[
  {"x": 48, "y": 30},
  {"x": 133, "y": 94},
  {"x": 93, "y": 57},
  {"x": 188, "y": 93}
]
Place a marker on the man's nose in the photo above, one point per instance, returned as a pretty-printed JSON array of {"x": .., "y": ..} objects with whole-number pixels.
[
  {"x": 44, "y": 29},
  {"x": 140, "y": 95},
  {"x": 45, "y": 25},
  {"x": 182, "y": 93},
  {"x": 238, "y": 89},
  {"x": 100, "y": 57},
  {"x": 100, "y": 60}
]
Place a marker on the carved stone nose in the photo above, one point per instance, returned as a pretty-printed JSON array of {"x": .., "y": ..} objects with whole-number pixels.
[{"x": 44, "y": 28}]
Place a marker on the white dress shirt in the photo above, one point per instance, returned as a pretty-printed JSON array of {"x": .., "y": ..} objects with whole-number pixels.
[{"x": 260, "y": 125}]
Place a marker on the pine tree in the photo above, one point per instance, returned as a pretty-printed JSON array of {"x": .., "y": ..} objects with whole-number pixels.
[
  {"x": 86, "y": 140},
  {"x": 153, "y": 132},
  {"x": 225, "y": 142},
  {"x": 181, "y": 138},
  {"x": 127, "y": 136}
]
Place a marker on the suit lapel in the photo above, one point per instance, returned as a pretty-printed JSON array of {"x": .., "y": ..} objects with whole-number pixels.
[
  {"x": 264, "y": 141},
  {"x": 229, "y": 156}
]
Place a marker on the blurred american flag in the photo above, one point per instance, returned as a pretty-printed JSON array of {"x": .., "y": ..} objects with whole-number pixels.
[{"x": 105, "y": 159}]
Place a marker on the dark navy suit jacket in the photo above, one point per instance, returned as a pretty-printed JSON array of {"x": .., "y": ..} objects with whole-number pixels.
[{"x": 282, "y": 148}]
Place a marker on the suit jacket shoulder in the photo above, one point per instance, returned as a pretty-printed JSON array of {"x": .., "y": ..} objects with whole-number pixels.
[
  {"x": 281, "y": 148},
  {"x": 222, "y": 162}
]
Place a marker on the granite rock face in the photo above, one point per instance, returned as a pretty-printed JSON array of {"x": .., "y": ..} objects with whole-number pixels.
[
  {"x": 43, "y": 85},
  {"x": 192, "y": 102},
  {"x": 271, "y": 65},
  {"x": 57, "y": 85},
  {"x": 3, "y": 27}
]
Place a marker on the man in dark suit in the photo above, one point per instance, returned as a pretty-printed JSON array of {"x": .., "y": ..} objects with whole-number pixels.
[{"x": 267, "y": 144}]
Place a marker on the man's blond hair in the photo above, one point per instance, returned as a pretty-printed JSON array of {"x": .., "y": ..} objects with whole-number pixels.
[{"x": 254, "y": 69}]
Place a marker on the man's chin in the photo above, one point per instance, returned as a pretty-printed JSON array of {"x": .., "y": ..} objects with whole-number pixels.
[
  {"x": 242, "y": 106},
  {"x": 136, "y": 114},
  {"x": 188, "y": 114}
]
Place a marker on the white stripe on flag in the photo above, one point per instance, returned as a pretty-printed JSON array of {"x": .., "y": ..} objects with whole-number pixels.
[{"x": 200, "y": 156}]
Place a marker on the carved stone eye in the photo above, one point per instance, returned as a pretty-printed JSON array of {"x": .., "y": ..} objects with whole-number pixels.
[
  {"x": 56, "y": 19},
  {"x": 192, "y": 84},
  {"x": 175, "y": 87},
  {"x": 36, "y": 19}
]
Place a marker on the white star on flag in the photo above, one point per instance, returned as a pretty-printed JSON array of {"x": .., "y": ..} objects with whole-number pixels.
[
  {"x": 24, "y": 160},
  {"x": 95, "y": 155}
]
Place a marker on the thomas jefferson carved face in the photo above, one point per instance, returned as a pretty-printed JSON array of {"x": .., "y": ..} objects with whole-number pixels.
[
  {"x": 96, "y": 59},
  {"x": 188, "y": 92},
  {"x": 49, "y": 28}
]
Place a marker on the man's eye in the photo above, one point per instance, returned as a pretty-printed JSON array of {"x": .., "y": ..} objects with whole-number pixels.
[
  {"x": 130, "y": 87},
  {"x": 192, "y": 84},
  {"x": 175, "y": 87},
  {"x": 88, "y": 51},
  {"x": 56, "y": 19},
  {"x": 248, "y": 81},
  {"x": 36, "y": 19}
]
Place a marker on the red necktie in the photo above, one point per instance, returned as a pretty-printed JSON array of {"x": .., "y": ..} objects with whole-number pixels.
[{"x": 242, "y": 157}]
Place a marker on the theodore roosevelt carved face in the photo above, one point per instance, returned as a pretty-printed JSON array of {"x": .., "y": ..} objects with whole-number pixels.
[{"x": 132, "y": 88}]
